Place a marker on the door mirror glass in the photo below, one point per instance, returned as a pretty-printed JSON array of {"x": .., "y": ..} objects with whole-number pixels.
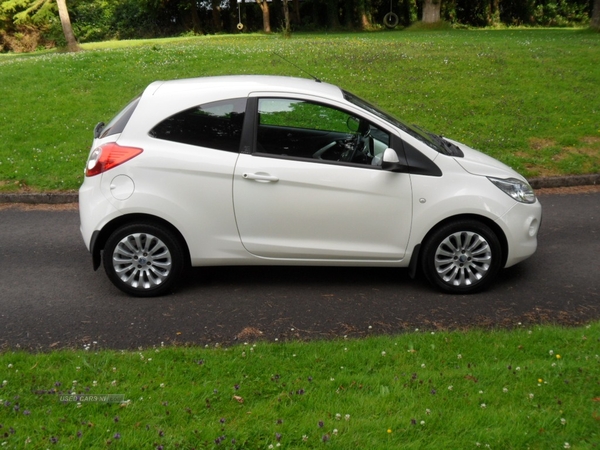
[{"x": 353, "y": 124}]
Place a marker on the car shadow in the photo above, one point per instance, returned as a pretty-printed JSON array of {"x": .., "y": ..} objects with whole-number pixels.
[{"x": 293, "y": 276}]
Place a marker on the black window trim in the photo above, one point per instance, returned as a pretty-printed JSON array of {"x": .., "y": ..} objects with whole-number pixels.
[{"x": 316, "y": 161}]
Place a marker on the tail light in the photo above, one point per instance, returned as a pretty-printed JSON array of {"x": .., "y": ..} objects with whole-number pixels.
[{"x": 108, "y": 156}]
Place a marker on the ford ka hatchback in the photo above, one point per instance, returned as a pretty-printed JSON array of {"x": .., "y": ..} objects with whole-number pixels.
[{"x": 265, "y": 170}]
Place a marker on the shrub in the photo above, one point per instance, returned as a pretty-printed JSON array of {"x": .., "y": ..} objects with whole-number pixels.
[{"x": 23, "y": 39}]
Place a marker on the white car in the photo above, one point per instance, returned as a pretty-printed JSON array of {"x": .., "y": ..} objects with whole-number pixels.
[{"x": 266, "y": 170}]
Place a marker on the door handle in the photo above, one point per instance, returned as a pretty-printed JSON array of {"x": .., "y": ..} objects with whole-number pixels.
[{"x": 264, "y": 177}]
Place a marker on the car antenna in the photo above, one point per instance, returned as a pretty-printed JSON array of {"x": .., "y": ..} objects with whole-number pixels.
[{"x": 297, "y": 67}]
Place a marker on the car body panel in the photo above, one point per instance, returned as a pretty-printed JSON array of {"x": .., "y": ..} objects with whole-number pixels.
[{"x": 321, "y": 211}]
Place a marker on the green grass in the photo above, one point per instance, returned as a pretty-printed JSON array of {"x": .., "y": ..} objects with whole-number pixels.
[
  {"x": 527, "y": 388},
  {"x": 527, "y": 97}
]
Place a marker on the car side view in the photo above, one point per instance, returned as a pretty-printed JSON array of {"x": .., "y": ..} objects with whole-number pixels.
[{"x": 266, "y": 170}]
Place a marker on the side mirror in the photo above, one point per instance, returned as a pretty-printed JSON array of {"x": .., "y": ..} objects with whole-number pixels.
[
  {"x": 353, "y": 124},
  {"x": 391, "y": 162}
]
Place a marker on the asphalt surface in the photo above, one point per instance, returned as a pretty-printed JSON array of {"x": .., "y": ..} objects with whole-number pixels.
[{"x": 51, "y": 298}]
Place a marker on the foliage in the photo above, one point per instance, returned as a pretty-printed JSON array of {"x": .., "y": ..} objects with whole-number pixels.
[
  {"x": 481, "y": 13},
  {"x": 527, "y": 388},
  {"x": 561, "y": 13},
  {"x": 96, "y": 20},
  {"x": 24, "y": 23},
  {"x": 26, "y": 11}
]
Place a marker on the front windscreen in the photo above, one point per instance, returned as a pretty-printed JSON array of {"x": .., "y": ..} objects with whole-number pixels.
[{"x": 414, "y": 132}]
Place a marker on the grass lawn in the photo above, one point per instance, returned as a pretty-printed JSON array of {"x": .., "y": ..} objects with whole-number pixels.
[
  {"x": 529, "y": 97},
  {"x": 526, "y": 388}
]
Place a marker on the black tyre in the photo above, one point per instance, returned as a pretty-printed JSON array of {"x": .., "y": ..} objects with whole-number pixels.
[
  {"x": 144, "y": 260},
  {"x": 462, "y": 257},
  {"x": 390, "y": 20}
]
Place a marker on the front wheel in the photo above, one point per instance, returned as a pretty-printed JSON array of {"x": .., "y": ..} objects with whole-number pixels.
[
  {"x": 462, "y": 257},
  {"x": 144, "y": 260}
]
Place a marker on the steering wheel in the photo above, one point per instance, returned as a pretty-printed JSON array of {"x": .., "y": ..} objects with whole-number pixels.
[
  {"x": 319, "y": 153},
  {"x": 358, "y": 145}
]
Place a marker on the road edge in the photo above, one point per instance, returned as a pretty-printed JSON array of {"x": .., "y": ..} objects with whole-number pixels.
[{"x": 56, "y": 198}]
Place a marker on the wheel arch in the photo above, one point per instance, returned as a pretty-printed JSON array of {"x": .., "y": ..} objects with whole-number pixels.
[
  {"x": 416, "y": 256},
  {"x": 100, "y": 237}
]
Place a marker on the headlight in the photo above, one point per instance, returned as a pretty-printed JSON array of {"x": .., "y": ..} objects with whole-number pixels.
[{"x": 517, "y": 189}]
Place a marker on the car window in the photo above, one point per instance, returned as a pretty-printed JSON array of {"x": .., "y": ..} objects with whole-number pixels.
[
  {"x": 117, "y": 124},
  {"x": 308, "y": 130},
  {"x": 215, "y": 125},
  {"x": 301, "y": 114}
]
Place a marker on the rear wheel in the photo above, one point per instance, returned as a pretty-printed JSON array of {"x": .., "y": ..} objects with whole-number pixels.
[
  {"x": 462, "y": 257},
  {"x": 144, "y": 260}
]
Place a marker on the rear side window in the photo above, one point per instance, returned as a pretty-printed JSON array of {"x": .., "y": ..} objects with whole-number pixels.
[
  {"x": 117, "y": 124},
  {"x": 215, "y": 125}
]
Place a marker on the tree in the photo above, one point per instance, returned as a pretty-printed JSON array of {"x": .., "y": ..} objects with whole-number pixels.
[
  {"x": 193, "y": 5},
  {"x": 40, "y": 11},
  {"x": 364, "y": 14},
  {"x": 286, "y": 17},
  {"x": 65, "y": 21},
  {"x": 296, "y": 12},
  {"x": 216, "y": 15},
  {"x": 333, "y": 13},
  {"x": 431, "y": 11},
  {"x": 264, "y": 6},
  {"x": 595, "y": 23}
]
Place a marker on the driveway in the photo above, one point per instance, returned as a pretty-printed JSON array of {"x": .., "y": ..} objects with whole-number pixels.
[{"x": 51, "y": 298}]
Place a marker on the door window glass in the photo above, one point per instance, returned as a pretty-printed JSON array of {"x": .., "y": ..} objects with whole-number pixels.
[{"x": 308, "y": 130}]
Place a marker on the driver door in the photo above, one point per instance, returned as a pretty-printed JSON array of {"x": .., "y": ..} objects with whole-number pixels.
[{"x": 299, "y": 196}]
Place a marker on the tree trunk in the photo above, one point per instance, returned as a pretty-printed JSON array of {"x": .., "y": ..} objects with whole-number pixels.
[
  {"x": 431, "y": 11},
  {"x": 286, "y": 17},
  {"x": 595, "y": 23},
  {"x": 275, "y": 11},
  {"x": 264, "y": 6},
  {"x": 63, "y": 13},
  {"x": 242, "y": 16},
  {"x": 364, "y": 13},
  {"x": 195, "y": 17},
  {"x": 349, "y": 13},
  {"x": 216, "y": 15},
  {"x": 405, "y": 12},
  {"x": 333, "y": 14},
  {"x": 296, "y": 12}
]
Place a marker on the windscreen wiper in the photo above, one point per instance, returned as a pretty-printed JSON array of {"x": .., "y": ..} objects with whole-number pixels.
[{"x": 452, "y": 149}]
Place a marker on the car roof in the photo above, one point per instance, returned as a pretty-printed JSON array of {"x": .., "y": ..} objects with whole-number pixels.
[
  {"x": 245, "y": 84},
  {"x": 163, "y": 99}
]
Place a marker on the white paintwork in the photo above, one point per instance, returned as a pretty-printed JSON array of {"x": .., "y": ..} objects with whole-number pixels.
[
  {"x": 246, "y": 209},
  {"x": 321, "y": 211}
]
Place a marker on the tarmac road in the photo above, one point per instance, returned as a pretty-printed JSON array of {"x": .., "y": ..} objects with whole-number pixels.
[{"x": 51, "y": 298}]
